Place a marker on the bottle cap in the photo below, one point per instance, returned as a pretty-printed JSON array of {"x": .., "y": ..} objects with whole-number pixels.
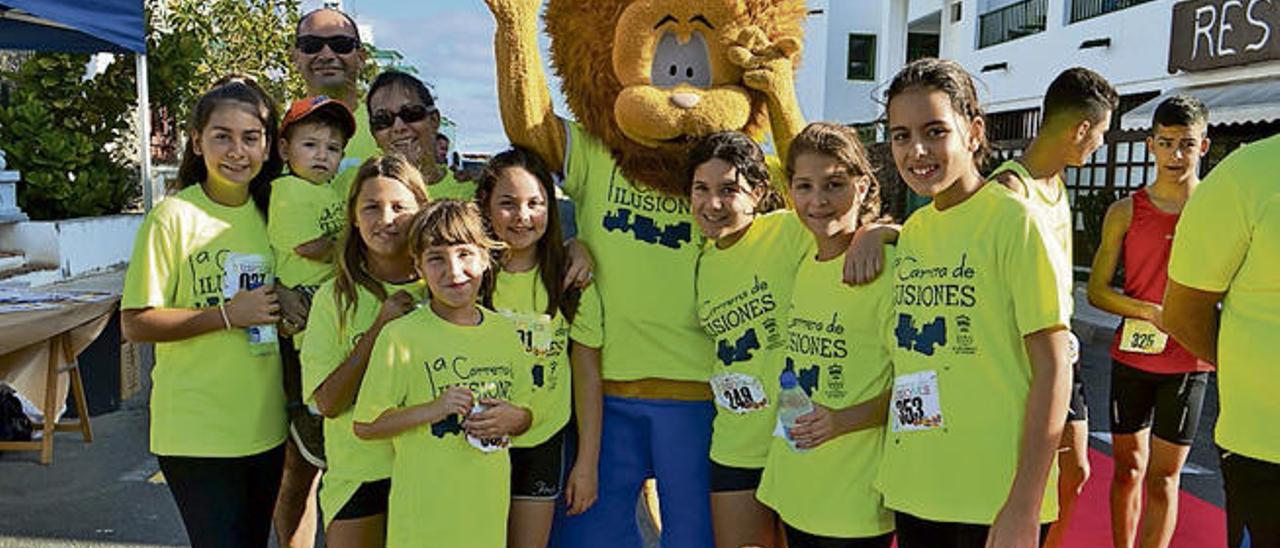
[{"x": 787, "y": 379}]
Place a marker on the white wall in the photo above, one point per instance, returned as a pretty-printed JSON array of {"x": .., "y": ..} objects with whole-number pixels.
[
  {"x": 1136, "y": 60},
  {"x": 849, "y": 101},
  {"x": 811, "y": 76},
  {"x": 73, "y": 246}
]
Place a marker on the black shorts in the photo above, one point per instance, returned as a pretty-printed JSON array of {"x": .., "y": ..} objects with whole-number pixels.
[
  {"x": 914, "y": 532},
  {"x": 369, "y": 500},
  {"x": 730, "y": 478},
  {"x": 1251, "y": 487},
  {"x": 800, "y": 539},
  {"x": 537, "y": 473},
  {"x": 1077, "y": 406},
  {"x": 1171, "y": 401}
]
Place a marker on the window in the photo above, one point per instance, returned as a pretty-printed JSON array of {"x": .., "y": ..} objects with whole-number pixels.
[
  {"x": 957, "y": 12},
  {"x": 1086, "y": 9},
  {"x": 1011, "y": 22},
  {"x": 862, "y": 57}
]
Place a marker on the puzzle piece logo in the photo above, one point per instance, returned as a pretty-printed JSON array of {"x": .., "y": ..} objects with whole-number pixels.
[
  {"x": 645, "y": 229},
  {"x": 740, "y": 351},
  {"x": 448, "y": 425},
  {"x": 924, "y": 339},
  {"x": 808, "y": 377}
]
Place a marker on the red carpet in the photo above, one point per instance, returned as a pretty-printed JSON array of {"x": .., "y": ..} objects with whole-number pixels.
[{"x": 1200, "y": 524}]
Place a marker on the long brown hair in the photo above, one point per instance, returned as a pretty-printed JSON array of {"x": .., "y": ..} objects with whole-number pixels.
[
  {"x": 552, "y": 260},
  {"x": 454, "y": 222},
  {"x": 950, "y": 78},
  {"x": 842, "y": 144},
  {"x": 242, "y": 91},
  {"x": 352, "y": 273}
]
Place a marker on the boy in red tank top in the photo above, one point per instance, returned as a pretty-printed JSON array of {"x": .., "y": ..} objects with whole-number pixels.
[{"x": 1157, "y": 386}]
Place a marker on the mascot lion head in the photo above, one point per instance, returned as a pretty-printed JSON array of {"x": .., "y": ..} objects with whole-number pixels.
[{"x": 648, "y": 77}]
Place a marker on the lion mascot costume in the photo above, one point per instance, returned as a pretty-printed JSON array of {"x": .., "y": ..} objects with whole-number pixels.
[{"x": 644, "y": 79}]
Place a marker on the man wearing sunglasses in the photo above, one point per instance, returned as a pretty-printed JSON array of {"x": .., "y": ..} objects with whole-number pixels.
[{"x": 329, "y": 55}]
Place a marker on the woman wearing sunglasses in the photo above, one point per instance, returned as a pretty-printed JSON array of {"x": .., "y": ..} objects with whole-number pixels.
[{"x": 404, "y": 120}]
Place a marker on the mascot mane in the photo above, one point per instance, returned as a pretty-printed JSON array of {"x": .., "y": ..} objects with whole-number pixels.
[{"x": 582, "y": 34}]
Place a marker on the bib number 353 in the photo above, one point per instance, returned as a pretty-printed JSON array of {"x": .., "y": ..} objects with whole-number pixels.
[{"x": 915, "y": 406}]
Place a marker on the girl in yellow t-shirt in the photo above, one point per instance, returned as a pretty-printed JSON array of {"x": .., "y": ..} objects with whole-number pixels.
[
  {"x": 199, "y": 286},
  {"x": 448, "y": 383},
  {"x": 376, "y": 283},
  {"x": 561, "y": 329},
  {"x": 981, "y": 373},
  {"x": 820, "y": 472},
  {"x": 744, "y": 278}
]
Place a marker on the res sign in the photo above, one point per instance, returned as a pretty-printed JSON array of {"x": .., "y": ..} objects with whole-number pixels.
[{"x": 1209, "y": 34}]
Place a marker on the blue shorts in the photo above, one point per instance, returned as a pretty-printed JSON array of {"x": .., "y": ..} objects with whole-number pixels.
[{"x": 642, "y": 438}]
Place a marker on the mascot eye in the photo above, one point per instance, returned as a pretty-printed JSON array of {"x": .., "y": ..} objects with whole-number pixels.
[{"x": 675, "y": 63}]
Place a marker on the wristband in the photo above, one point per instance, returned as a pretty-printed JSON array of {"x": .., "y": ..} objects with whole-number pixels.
[{"x": 225, "y": 320}]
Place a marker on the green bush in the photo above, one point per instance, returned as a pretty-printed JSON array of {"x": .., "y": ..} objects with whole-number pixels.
[{"x": 67, "y": 136}]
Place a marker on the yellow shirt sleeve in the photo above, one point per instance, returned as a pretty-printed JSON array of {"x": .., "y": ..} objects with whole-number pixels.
[
  {"x": 1212, "y": 236},
  {"x": 384, "y": 386},
  {"x": 149, "y": 282},
  {"x": 1030, "y": 267},
  {"x": 323, "y": 349},
  {"x": 588, "y": 324}
]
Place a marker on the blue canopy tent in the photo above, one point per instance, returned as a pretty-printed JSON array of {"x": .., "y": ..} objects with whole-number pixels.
[{"x": 78, "y": 26}]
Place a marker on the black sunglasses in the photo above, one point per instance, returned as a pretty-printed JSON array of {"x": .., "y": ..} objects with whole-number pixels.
[
  {"x": 311, "y": 44},
  {"x": 382, "y": 119}
]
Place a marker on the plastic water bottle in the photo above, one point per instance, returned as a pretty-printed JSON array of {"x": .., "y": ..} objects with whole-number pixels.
[{"x": 792, "y": 403}]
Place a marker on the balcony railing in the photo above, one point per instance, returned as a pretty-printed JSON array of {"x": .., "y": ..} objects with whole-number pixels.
[
  {"x": 1011, "y": 22},
  {"x": 1085, "y": 9}
]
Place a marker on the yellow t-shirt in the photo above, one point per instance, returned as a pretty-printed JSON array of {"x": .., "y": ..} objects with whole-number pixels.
[
  {"x": 970, "y": 283},
  {"x": 743, "y": 293},
  {"x": 361, "y": 146},
  {"x": 521, "y": 297},
  {"x": 1228, "y": 240},
  {"x": 645, "y": 248},
  {"x": 837, "y": 350},
  {"x": 442, "y": 488},
  {"x": 211, "y": 396},
  {"x": 1054, "y": 213},
  {"x": 449, "y": 187},
  {"x": 302, "y": 211},
  {"x": 331, "y": 337}
]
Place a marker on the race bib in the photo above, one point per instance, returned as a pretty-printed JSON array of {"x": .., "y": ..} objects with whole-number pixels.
[
  {"x": 535, "y": 331},
  {"x": 1142, "y": 337},
  {"x": 915, "y": 406},
  {"x": 738, "y": 392}
]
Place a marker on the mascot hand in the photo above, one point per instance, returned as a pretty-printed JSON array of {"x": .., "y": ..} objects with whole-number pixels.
[
  {"x": 767, "y": 65},
  {"x": 505, "y": 10}
]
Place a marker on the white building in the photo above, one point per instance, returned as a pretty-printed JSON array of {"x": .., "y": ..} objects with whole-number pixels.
[{"x": 1226, "y": 52}]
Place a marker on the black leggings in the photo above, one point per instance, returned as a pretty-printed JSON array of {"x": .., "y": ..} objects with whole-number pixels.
[
  {"x": 800, "y": 539},
  {"x": 914, "y": 532},
  {"x": 225, "y": 502}
]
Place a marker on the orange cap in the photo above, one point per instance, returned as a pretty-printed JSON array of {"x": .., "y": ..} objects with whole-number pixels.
[{"x": 301, "y": 108}]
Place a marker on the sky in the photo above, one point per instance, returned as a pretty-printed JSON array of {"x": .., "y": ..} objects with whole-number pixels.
[{"x": 450, "y": 43}]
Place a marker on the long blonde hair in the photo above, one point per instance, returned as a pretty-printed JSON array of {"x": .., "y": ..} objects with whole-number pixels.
[{"x": 351, "y": 271}]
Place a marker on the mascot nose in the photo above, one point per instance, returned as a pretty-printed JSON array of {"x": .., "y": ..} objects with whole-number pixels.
[{"x": 685, "y": 100}]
